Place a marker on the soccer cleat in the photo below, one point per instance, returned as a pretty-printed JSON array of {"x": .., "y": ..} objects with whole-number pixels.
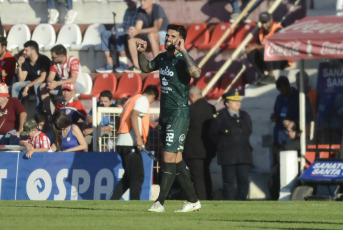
[
  {"x": 70, "y": 17},
  {"x": 156, "y": 207},
  {"x": 190, "y": 207},
  {"x": 53, "y": 16}
]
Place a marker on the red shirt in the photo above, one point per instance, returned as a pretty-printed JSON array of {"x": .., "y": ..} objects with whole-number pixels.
[
  {"x": 8, "y": 64},
  {"x": 9, "y": 115},
  {"x": 39, "y": 141}
]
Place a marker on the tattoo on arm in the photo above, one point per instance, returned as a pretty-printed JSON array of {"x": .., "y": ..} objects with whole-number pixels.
[
  {"x": 193, "y": 69},
  {"x": 143, "y": 63}
]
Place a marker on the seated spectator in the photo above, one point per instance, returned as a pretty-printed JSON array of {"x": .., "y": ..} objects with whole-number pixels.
[
  {"x": 255, "y": 53},
  {"x": 65, "y": 69},
  {"x": 151, "y": 26},
  {"x": 8, "y": 63},
  {"x": 33, "y": 139},
  {"x": 44, "y": 125},
  {"x": 12, "y": 117},
  {"x": 68, "y": 137},
  {"x": 118, "y": 39},
  {"x": 53, "y": 12},
  {"x": 33, "y": 69},
  {"x": 71, "y": 107}
]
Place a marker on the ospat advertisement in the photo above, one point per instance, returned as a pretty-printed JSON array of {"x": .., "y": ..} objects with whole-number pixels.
[{"x": 65, "y": 176}]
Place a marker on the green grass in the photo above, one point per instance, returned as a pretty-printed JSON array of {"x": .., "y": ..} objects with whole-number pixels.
[{"x": 41, "y": 215}]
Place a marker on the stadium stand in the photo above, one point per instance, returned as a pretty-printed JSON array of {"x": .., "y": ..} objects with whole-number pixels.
[
  {"x": 105, "y": 81},
  {"x": 91, "y": 38},
  {"x": 204, "y": 80},
  {"x": 226, "y": 80},
  {"x": 17, "y": 36},
  {"x": 44, "y": 34},
  {"x": 197, "y": 34},
  {"x": 129, "y": 84},
  {"x": 321, "y": 151},
  {"x": 239, "y": 34},
  {"x": 216, "y": 34},
  {"x": 153, "y": 79},
  {"x": 69, "y": 34}
]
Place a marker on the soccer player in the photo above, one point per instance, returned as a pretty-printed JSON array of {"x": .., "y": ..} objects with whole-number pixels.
[{"x": 176, "y": 69}]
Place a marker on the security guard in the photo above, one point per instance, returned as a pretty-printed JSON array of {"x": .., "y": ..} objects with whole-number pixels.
[{"x": 230, "y": 133}]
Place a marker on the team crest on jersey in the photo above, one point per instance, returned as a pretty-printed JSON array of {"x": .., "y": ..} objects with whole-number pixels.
[
  {"x": 174, "y": 61},
  {"x": 164, "y": 81},
  {"x": 68, "y": 138},
  {"x": 182, "y": 138},
  {"x": 68, "y": 111}
]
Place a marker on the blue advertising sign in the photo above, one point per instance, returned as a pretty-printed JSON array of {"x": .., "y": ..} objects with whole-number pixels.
[
  {"x": 330, "y": 77},
  {"x": 65, "y": 176},
  {"x": 324, "y": 171}
]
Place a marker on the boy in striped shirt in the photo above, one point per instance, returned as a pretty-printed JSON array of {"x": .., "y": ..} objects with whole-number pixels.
[{"x": 33, "y": 139}]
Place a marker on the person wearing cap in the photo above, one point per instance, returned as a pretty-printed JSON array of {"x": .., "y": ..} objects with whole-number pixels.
[
  {"x": 230, "y": 133},
  {"x": 33, "y": 68},
  {"x": 118, "y": 39},
  {"x": 8, "y": 63},
  {"x": 64, "y": 69},
  {"x": 71, "y": 107},
  {"x": 255, "y": 52},
  {"x": 33, "y": 139},
  {"x": 12, "y": 117}
]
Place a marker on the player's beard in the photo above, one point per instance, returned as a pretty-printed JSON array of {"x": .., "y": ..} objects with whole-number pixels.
[{"x": 171, "y": 48}]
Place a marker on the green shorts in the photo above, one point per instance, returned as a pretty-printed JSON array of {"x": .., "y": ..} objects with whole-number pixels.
[{"x": 173, "y": 131}]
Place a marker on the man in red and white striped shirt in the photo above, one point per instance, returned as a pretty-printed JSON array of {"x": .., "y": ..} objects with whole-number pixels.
[
  {"x": 33, "y": 139},
  {"x": 64, "y": 69}
]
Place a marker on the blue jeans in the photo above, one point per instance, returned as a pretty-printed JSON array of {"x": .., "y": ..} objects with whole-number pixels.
[
  {"x": 8, "y": 139},
  {"x": 51, "y": 4},
  {"x": 18, "y": 87},
  {"x": 106, "y": 42}
]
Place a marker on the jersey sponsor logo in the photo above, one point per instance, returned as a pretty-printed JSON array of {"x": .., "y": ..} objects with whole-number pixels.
[{"x": 166, "y": 72}]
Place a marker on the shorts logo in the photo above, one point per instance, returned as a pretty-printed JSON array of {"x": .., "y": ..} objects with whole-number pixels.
[
  {"x": 182, "y": 138},
  {"x": 168, "y": 126},
  {"x": 170, "y": 137}
]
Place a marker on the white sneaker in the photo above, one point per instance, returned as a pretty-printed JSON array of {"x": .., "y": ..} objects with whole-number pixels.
[
  {"x": 70, "y": 17},
  {"x": 190, "y": 207},
  {"x": 53, "y": 16},
  {"x": 156, "y": 207}
]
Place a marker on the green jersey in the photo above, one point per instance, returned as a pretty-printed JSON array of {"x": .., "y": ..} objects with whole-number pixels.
[{"x": 175, "y": 78}]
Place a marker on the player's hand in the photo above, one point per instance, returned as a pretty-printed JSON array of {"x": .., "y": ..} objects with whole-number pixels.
[
  {"x": 179, "y": 44},
  {"x": 141, "y": 45}
]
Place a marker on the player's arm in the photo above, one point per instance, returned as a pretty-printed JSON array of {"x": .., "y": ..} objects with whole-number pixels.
[
  {"x": 193, "y": 69},
  {"x": 143, "y": 63}
]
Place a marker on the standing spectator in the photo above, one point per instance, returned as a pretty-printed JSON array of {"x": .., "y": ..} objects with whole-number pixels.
[
  {"x": 109, "y": 39},
  {"x": 33, "y": 68},
  {"x": 176, "y": 68},
  {"x": 12, "y": 117},
  {"x": 34, "y": 139},
  {"x": 53, "y": 13},
  {"x": 132, "y": 136},
  {"x": 198, "y": 150},
  {"x": 255, "y": 53},
  {"x": 65, "y": 69},
  {"x": 71, "y": 107},
  {"x": 68, "y": 137},
  {"x": 150, "y": 25},
  {"x": 8, "y": 63},
  {"x": 230, "y": 133}
]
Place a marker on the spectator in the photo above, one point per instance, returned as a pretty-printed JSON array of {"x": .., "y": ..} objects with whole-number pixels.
[
  {"x": 236, "y": 10},
  {"x": 34, "y": 139},
  {"x": 68, "y": 137},
  {"x": 8, "y": 63},
  {"x": 150, "y": 25},
  {"x": 12, "y": 117},
  {"x": 255, "y": 53},
  {"x": 44, "y": 125},
  {"x": 65, "y": 69},
  {"x": 198, "y": 151},
  {"x": 310, "y": 92},
  {"x": 71, "y": 107},
  {"x": 118, "y": 39},
  {"x": 132, "y": 136},
  {"x": 230, "y": 133},
  {"x": 53, "y": 13},
  {"x": 33, "y": 69}
]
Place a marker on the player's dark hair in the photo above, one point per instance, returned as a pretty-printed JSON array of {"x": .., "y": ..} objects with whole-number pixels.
[
  {"x": 179, "y": 28},
  {"x": 33, "y": 44},
  {"x": 282, "y": 81},
  {"x": 59, "y": 50},
  {"x": 3, "y": 41},
  {"x": 106, "y": 93},
  {"x": 151, "y": 90}
]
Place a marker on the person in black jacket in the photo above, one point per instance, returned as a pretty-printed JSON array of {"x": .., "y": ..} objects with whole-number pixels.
[
  {"x": 198, "y": 151},
  {"x": 230, "y": 132}
]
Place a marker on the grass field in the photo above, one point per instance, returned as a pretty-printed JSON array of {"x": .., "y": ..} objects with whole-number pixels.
[{"x": 95, "y": 215}]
